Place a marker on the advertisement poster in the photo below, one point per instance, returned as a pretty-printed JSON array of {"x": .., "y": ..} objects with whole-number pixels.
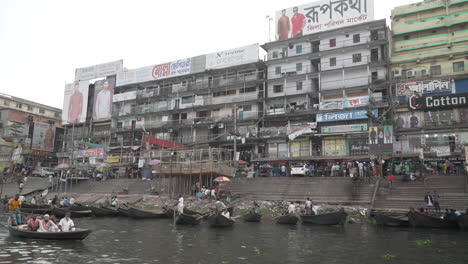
[
  {"x": 232, "y": 57},
  {"x": 43, "y": 137},
  {"x": 103, "y": 94},
  {"x": 424, "y": 87},
  {"x": 320, "y": 16},
  {"x": 381, "y": 139},
  {"x": 75, "y": 102},
  {"x": 346, "y": 115},
  {"x": 97, "y": 71},
  {"x": 358, "y": 146},
  {"x": 409, "y": 120}
]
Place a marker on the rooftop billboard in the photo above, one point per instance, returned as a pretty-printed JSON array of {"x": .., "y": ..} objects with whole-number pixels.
[{"x": 75, "y": 102}]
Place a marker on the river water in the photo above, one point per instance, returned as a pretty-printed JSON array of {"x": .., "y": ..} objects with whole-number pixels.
[{"x": 123, "y": 240}]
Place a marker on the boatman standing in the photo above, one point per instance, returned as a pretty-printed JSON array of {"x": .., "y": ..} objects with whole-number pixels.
[
  {"x": 291, "y": 208},
  {"x": 180, "y": 204},
  {"x": 14, "y": 205},
  {"x": 220, "y": 206}
]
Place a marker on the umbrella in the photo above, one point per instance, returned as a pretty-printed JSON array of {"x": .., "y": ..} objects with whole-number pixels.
[
  {"x": 222, "y": 179},
  {"x": 154, "y": 162},
  {"x": 242, "y": 162},
  {"x": 104, "y": 165},
  {"x": 63, "y": 166}
]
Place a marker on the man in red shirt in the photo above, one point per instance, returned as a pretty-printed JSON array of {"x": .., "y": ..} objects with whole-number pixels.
[
  {"x": 33, "y": 223},
  {"x": 298, "y": 22},
  {"x": 283, "y": 26},
  {"x": 75, "y": 105},
  {"x": 391, "y": 179}
]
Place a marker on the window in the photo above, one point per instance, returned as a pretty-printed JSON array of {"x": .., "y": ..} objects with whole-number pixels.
[
  {"x": 459, "y": 66},
  {"x": 275, "y": 55},
  {"x": 356, "y": 38},
  {"x": 231, "y": 92},
  {"x": 356, "y": 57},
  {"x": 41, "y": 110},
  {"x": 332, "y": 62},
  {"x": 284, "y": 52},
  {"x": 436, "y": 70},
  {"x": 278, "y": 70},
  {"x": 406, "y": 37},
  {"x": 248, "y": 90},
  {"x": 30, "y": 108},
  {"x": 332, "y": 42},
  {"x": 56, "y": 114},
  {"x": 183, "y": 116},
  {"x": 298, "y": 49},
  {"x": 18, "y": 105},
  {"x": 6, "y": 102},
  {"x": 278, "y": 88},
  {"x": 299, "y": 85},
  {"x": 247, "y": 108},
  {"x": 298, "y": 67},
  {"x": 188, "y": 99}
]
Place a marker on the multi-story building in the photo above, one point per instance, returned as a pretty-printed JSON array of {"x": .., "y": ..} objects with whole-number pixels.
[
  {"x": 321, "y": 89},
  {"x": 210, "y": 101},
  {"x": 33, "y": 127},
  {"x": 429, "y": 79}
]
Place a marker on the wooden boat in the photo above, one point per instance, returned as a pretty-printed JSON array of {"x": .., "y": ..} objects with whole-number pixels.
[
  {"x": 421, "y": 220},
  {"x": 217, "y": 220},
  {"x": 34, "y": 206},
  {"x": 252, "y": 216},
  {"x": 170, "y": 212},
  {"x": 78, "y": 234},
  {"x": 185, "y": 219},
  {"x": 288, "y": 219},
  {"x": 34, "y": 211},
  {"x": 463, "y": 221},
  {"x": 391, "y": 220},
  {"x": 142, "y": 214},
  {"x": 102, "y": 211},
  {"x": 60, "y": 212},
  {"x": 79, "y": 207},
  {"x": 123, "y": 211},
  {"x": 335, "y": 218}
]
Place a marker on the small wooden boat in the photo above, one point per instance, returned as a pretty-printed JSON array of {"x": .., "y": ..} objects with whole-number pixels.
[
  {"x": 60, "y": 212},
  {"x": 421, "y": 220},
  {"x": 288, "y": 219},
  {"x": 20, "y": 231},
  {"x": 34, "y": 206},
  {"x": 217, "y": 220},
  {"x": 170, "y": 212},
  {"x": 335, "y": 218},
  {"x": 34, "y": 211},
  {"x": 79, "y": 207},
  {"x": 252, "y": 216},
  {"x": 123, "y": 211},
  {"x": 102, "y": 211},
  {"x": 391, "y": 220},
  {"x": 185, "y": 219},
  {"x": 143, "y": 214},
  {"x": 463, "y": 221}
]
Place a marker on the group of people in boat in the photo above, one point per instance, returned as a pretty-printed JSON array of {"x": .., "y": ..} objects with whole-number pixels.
[
  {"x": 219, "y": 207},
  {"x": 49, "y": 224},
  {"x": 309, "y": 209}
]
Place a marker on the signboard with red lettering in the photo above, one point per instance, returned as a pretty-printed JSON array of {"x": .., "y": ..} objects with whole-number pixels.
[{"x": 322, "y": 15}]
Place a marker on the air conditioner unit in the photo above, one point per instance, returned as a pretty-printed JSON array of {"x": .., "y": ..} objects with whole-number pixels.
[
  {"x": 221, "y": 125},
  {"x": 171, "y": 130},
  {"x": 425, "y": 72},
  {"x": 396, "y": 73},
  {"x": 212, "y": 126},
  {"x": 410, "y": 73}
]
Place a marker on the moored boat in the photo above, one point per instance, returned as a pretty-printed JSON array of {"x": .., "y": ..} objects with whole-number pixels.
[
  {"x": 391, "y": 220},
  {"x": 252, "y": 216},
  {"x": 123, "y": 211},
  {"x": 60, "y": 212},
  {"x": 463, "y": 221},
  {"x": 185, "y": 219},
  {"x": 417, "y": 219},
  {"x": 102, "y": 211},
  {"x": 143, "y": 214},
  {"x": 217, "y": 220},
  {"x": 20, "y": 231},
  {"x": 34, "y": 206},
  {"x": 288, "y": 219},
  {"x": 79, "y": 207},
  {"x": 335, "y": 218}
]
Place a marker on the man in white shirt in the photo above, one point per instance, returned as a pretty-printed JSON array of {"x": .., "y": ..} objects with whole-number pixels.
[
  {"x": 308, "y": 205},
  {"x": 66, "y": 224},
  {"x": 33, "y": 200},
  {"x": 361, "y": 169},
  {"x": 180, "y": 204},
  {"x": 220, "y": 206},
  {"x": 46, "y": 225},
  {"x": 291, "y": 208},
  {"x": 103, "y": 103},
  {"x": 72, "y": 201}
]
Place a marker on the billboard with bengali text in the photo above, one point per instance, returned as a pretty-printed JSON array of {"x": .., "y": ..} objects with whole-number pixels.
[
  {"x": 320, "y": 16},
  {"x": 232, "y": 57},
  {"x": 43, "y": 137},
  {"x": 103, "y": 94},
  {"x": 99, "y": 70},
  {"x": 75, "y": 102}
]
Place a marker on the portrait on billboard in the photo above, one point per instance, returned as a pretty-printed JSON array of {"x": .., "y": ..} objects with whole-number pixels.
[
  {"x": 408, "y": 120},
  {"x": 75, "y": 102},
  {"x": 43, "y": 136},
  {"x": 103, "y": 94}
]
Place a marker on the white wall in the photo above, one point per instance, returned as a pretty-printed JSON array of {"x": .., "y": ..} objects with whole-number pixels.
[
  {"x": 289, "y": 67},
  {"x": 289, "y": 88},
  {"x": 306, "y": 48},
  {"x": 343, "y": 41},
  {"x": 345, "y": 59}
]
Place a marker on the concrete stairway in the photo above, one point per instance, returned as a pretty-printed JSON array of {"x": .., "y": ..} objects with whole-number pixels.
[
  {"x": 329, "y": 190},
  {"x": 404, "y": 195},
  {"x": 135, "y": 186},
  {"x": 32, "y": 185}
]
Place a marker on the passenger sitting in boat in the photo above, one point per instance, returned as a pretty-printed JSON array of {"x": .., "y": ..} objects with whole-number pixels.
[
  {"x": 47, "y": 225},
  {"x": 64, "y": 202},
  {"x": 33, "y": 223},
  {"x": 66, "y": 224},
  {"x": 115, "y": 202},
  {"x": 106, "y": 202},
  {"x": 426, "y": 211},
  {"x": 456, "y": 212},
  {"x": 72, "y": 201},
  {"x": 220, "y": 206},
  {"x": 226, "y": 213},
  {"x": 291, "y": 208}
]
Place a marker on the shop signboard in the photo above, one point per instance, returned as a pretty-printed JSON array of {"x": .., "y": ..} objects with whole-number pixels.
[
  {"x": 418, "y": 102},
  {"x": 381, "y": 139},
  {"x": 345, "y": 115},
  {"x": 297, "y": 131},
  {"x": 358, "y": 146},
  {"x": 82, "y": 153},
  {"x": 348, "y": 102},
  {"x": 424, "y": 87},
  {"x": 320, "y": 16},
  {"x": 232, "y": 57},
  {"x": 124, "y": 96},
  {"x": 344, "y": 128}
]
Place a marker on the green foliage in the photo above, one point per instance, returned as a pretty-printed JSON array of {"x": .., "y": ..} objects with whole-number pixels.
[
  {"x": 423, "y": 242},
  {"x": 388, "y": 256},
  {"x": 371, "y": 221},
  {"x": 256, "y": 251}
]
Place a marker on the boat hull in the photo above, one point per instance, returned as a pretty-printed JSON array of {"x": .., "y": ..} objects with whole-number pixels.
[
  {"x": 421, "y": 220},
  {"x": 216, "y": 220},
  {"x": 287, "y": 220},
  {"x": 336, "y": 218},
  {"x": 79, "y": 234}
]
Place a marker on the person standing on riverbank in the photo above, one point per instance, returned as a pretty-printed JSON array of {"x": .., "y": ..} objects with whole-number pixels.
[
  {"x": 428, "y": 199},
  {"x": 436, "y": 199},
  {"x": 391, "y": 179}
]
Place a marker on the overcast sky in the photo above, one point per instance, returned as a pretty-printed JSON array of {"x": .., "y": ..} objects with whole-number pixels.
[{"x": 43, "y": 41}]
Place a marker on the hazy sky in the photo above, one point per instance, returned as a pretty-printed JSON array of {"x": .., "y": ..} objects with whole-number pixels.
[{"x": 43, "y": 41}]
